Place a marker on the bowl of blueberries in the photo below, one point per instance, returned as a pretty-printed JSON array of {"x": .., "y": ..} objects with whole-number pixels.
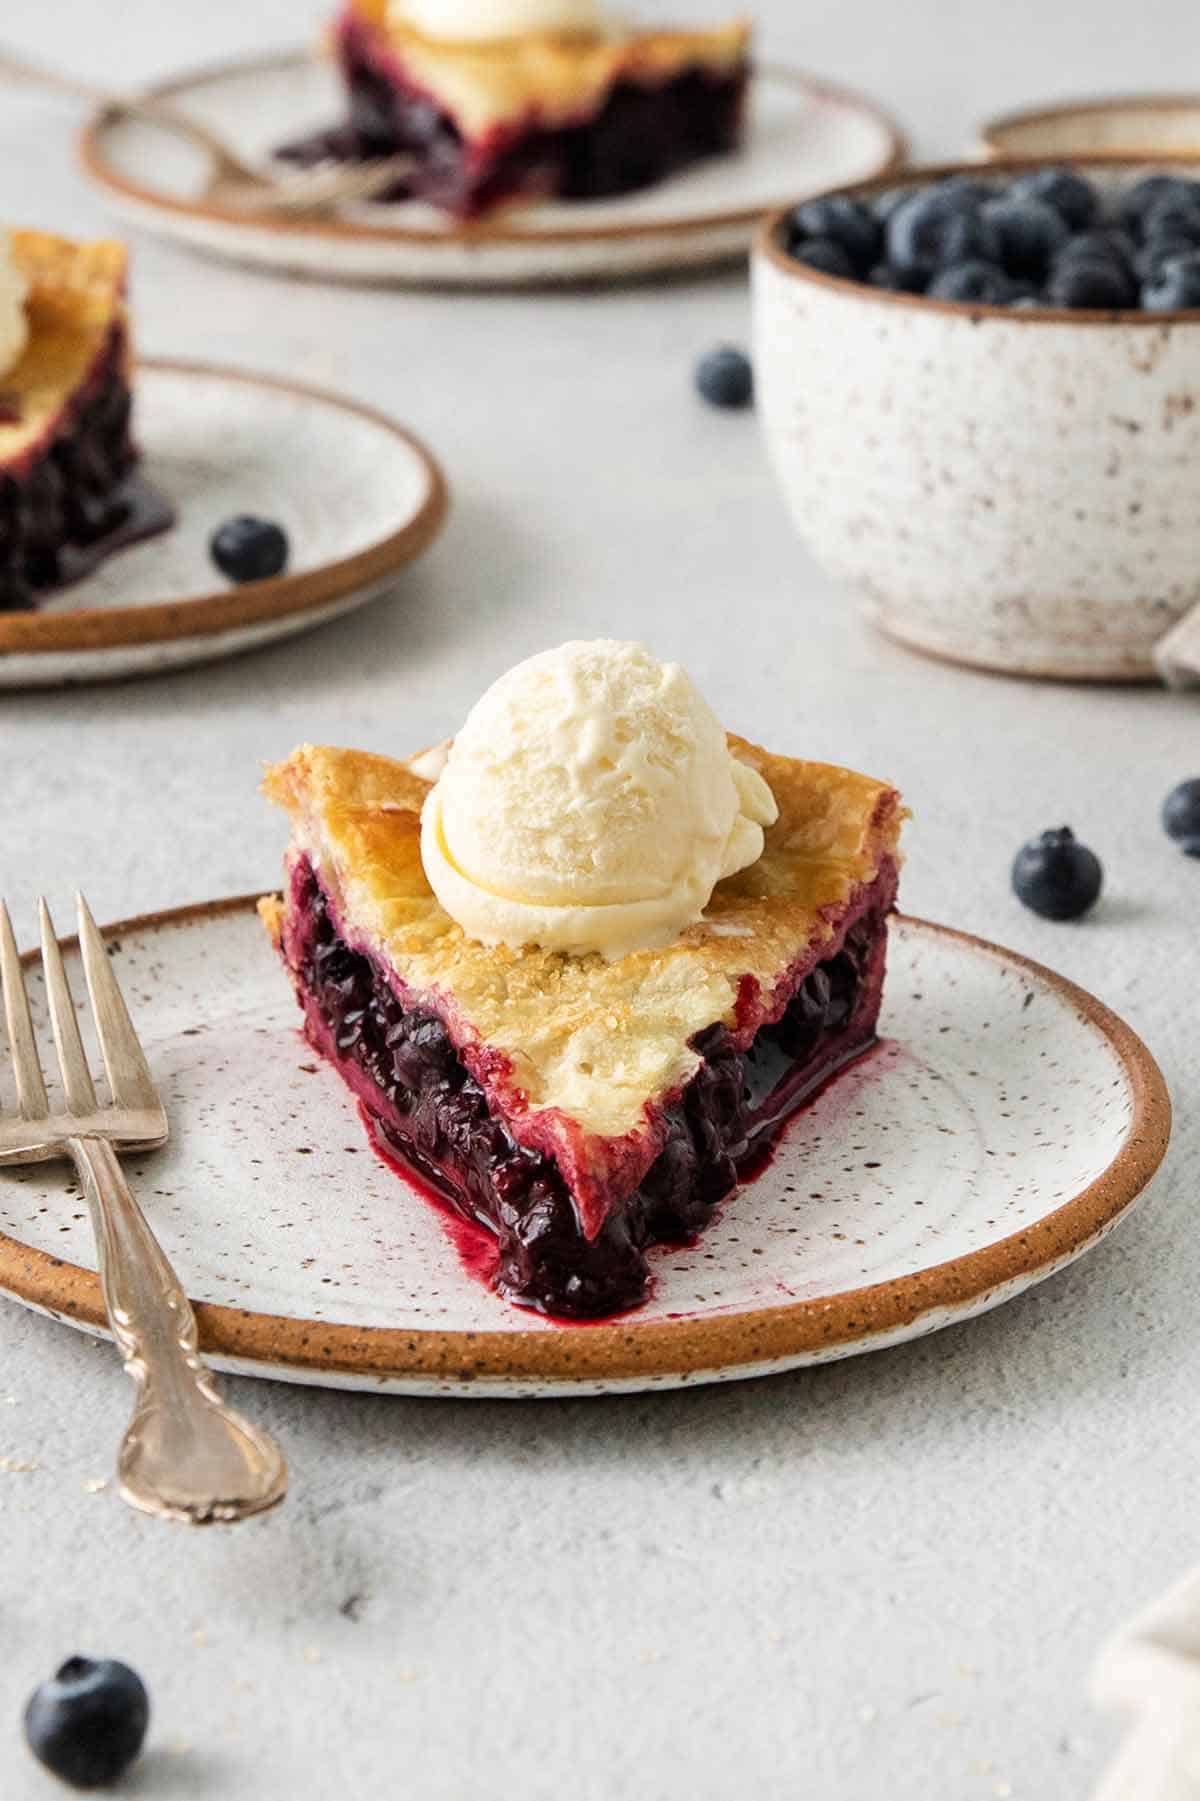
[{"x": 981, "y": 393}]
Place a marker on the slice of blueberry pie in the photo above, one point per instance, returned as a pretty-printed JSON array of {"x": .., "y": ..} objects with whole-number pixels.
[
  {"x": 69, "y": 491},
  {"x": 500, "y": 101},
  {"x": 580, "y": 967}
]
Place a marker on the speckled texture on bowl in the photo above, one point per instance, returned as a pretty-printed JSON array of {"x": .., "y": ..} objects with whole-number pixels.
[{"x": 1006, "y": 488}]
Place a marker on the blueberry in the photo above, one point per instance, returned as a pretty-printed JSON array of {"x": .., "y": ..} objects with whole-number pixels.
[
  {"x": 1175, "y": 286},
  {"x": 1159, "y": 250},
  {"x": 885, "y": 204},
  {"x": 981, "y": 282},
  {"x": 1071, "y": 195},
  {"x": 1030, "y": 231},
  {"x": 725, "y": 377},
  {"x": 1056, "y": 877},
  {"x": 843, "y": 221},
  {"x": 1181, "y": 816},
  {"x": 1175, "y": 216},
  {"x": 1145, "y": 196},
  {"x": 969, "y": 188},
  {"x": 1108, "y": 242},
  {"x": 248, "y": 549},
  {"x": 88, "y": 1722},
  {"x": 823, "y": 254},
  {"x": 884, "y": 276},
  {"x": 1099, "y": 283},
  {"x": 936, "y": 228}
]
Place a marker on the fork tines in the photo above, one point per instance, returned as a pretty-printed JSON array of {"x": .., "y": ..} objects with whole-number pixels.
[{"x": 129, "y": 1078}]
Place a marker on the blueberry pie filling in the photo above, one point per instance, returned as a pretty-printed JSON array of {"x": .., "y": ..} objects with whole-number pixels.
[{"x": 425, "y": 1109}]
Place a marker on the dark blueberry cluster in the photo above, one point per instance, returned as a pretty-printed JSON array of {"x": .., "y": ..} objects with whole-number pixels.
[{"x": 1049, "y": 237}]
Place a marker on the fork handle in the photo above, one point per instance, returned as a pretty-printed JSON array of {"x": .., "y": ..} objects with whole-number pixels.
[
  {"x": 186, "y": 1454},
  {"x": 135, "y": 106}
]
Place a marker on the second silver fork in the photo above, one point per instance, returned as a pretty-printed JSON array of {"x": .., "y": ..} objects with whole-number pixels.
[{"x": 186, "y": 1455}]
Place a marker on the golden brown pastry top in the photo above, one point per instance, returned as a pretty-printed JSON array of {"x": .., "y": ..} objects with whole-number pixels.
[
  {"x": 76, "y": 295},
  {"x": 586, "y": 1047},
  {"x": 545, "y": 78}
]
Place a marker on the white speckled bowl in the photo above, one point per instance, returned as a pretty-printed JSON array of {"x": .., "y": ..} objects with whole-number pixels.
[{"x": 1012, "y": 489}]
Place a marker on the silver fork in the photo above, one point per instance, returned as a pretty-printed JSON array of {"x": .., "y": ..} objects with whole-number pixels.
[
  {"x": 232, "y": 179},
  {"x": 186, "y": 1455}
]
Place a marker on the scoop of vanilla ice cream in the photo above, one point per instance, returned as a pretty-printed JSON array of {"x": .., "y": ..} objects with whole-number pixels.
[
  {"x": 590, "y": 803},
  {"x": 474, "y": 21},
  {"x": 14, "y": 320}
]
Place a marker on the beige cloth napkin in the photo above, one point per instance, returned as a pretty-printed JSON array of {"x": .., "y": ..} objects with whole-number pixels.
[
  {"x": 1151, "y": 1669},
  {"x": 1178, "y": 654}
]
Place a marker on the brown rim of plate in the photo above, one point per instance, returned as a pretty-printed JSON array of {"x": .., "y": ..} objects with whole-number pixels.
[
  {"x": 768, "y": 246},
  {"x": 95, "y": 166},
  {"x": 252, "y": 603},
  {"x": 990, "y": 133},
  {"x": 623, "y": 1350}
]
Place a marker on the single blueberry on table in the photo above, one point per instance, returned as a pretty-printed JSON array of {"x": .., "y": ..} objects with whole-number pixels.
[
  {"x": 1057, "y": 877},
  {"x": 1181, "y": 816},
  {"x": 1175, "y": 286},
  {"x": 725, "y": 377},
  {"x": 825, "y": 255},
  {"x": 87, "y": 1724},
  {"x": 247, "y": 549},
  {"x": 1030, "y": 233},
  {"x": 1071, "y": 195},
  {"x": 978, "y": 281},
  {"x": 843, "y": 221},
  {"x": 1091, "y": 283},
  {"x": 936, "y": 228}
]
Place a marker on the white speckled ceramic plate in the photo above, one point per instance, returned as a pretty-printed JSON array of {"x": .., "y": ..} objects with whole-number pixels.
[
  {"x": 358, "y": 496},
  {"x": 1003, "y": 1126},
  {"x": 804, "y": 135}
]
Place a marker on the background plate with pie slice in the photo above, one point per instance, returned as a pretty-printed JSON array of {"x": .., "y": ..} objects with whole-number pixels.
[
  {"x": 358, "y": 495},
  {"x": 1004, "y": 1125},
  {"x": 804, "y": 135}
]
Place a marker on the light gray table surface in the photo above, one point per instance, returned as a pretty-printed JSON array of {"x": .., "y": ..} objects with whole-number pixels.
[{"x": 886, "y": 1577}]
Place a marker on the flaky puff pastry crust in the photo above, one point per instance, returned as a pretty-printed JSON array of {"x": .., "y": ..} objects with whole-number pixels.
[
  {"x": 577, "y": 1055},
  {"x": 76, "y": 297},
  {"x": 543, "y": 78}
]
